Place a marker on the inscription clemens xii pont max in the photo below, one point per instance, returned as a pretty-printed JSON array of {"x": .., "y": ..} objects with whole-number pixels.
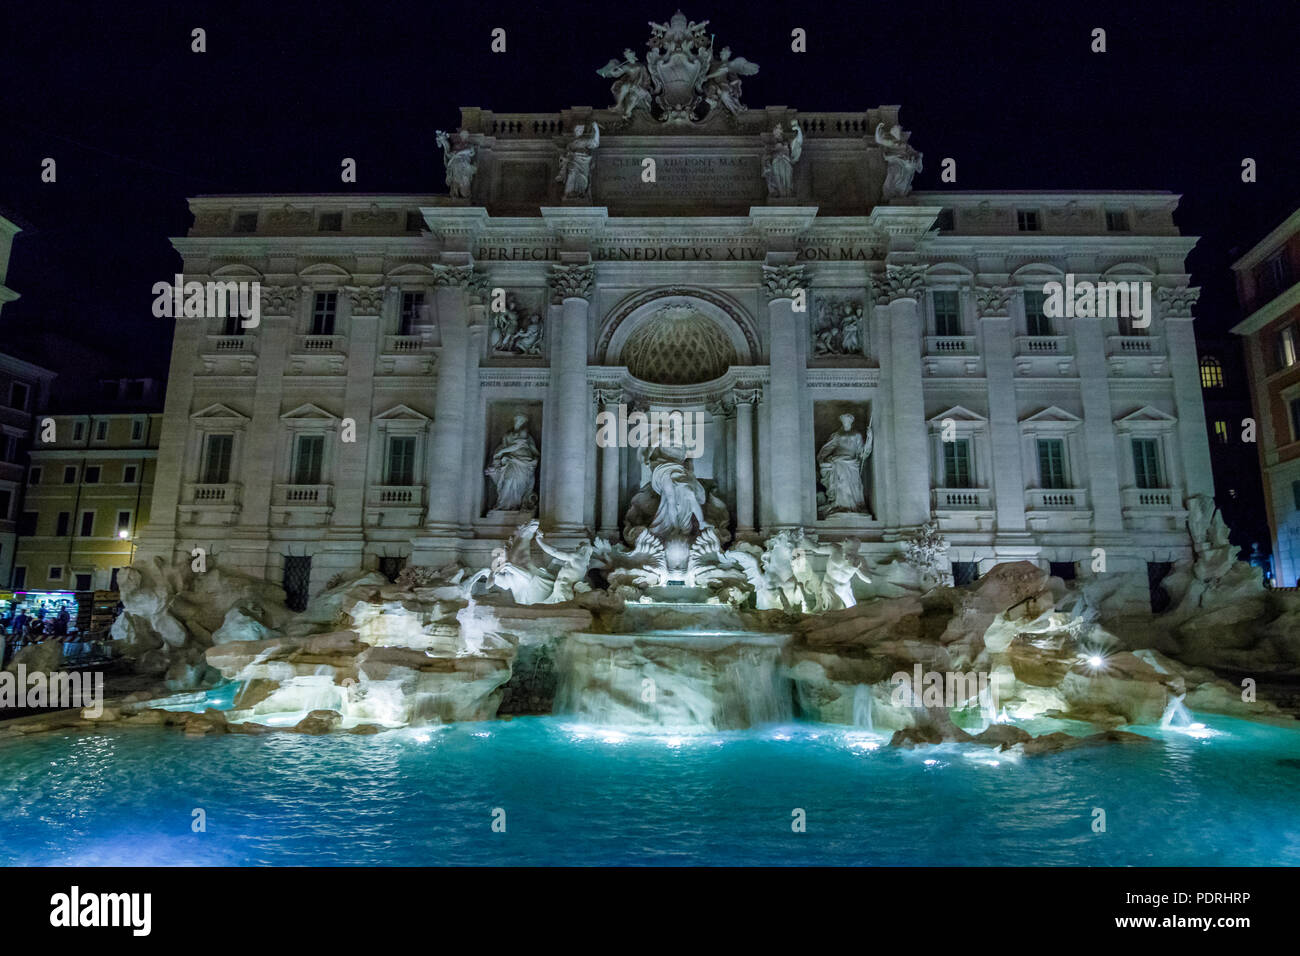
[{"x": 681, "y": 177}]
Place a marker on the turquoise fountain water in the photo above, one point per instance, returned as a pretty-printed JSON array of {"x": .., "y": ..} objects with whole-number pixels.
[{"x": 578, "y": 794}]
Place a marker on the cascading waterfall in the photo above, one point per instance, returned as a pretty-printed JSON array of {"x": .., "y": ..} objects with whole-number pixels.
[
  {"x": 862, "y": 708},
  {"x": 1176, "y": 714},
  {"x": 673, "y": 679}
]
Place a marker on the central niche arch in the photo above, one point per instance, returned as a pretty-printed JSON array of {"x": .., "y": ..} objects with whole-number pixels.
[
  {"x": 678, "y": 346},
  {"x": 677, "y": 337}
]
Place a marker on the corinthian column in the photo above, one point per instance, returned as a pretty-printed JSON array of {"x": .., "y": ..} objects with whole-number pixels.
[
  {"x": 785, "y": 453},
  {"x": 899, "y": 291},
  {"x": 447, "y": 448},
  {"x": 744, "y": 469},
  {"x": 571, "y": 287}
]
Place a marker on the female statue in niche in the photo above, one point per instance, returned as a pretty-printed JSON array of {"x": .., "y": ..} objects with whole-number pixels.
[
  {"x": 514, "y": 467},
  {"x": 839, "y": 465}
]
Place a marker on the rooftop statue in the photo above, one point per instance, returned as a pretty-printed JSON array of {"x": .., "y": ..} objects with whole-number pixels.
[
  {"x": 681, "y": 80},
  {"x": 575, "y": 165},
  {"x": 458, "y": 157},
  {"x": 778, "y": 162},
  {"x": 901, "y": 160}
]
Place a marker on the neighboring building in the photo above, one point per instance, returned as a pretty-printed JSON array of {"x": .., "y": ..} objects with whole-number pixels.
[
  {"x": 24, "y": 390},
  {"x": 1026, "y": 436},
  {"x": 1268, "y": 287},
  {"x": 88, "y": 497},
  {"x": 1226, "y": 392}
]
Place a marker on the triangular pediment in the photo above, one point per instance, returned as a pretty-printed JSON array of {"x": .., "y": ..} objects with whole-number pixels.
[
  {"x": 958, "y": 413},
  {"x": 1051, "y": 415},
  {"x": 218, "y": 412},
  {"x": 308, "y": 412},
  {"x": 1146, "y": 415},
  {"x": 401, "y": 413}
]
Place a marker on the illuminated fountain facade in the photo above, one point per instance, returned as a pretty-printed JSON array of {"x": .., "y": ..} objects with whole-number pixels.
[{"x": 710, "y": 390}]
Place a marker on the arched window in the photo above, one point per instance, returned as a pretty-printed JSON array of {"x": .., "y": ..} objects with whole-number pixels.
[{"x": 1211, "y": 372}]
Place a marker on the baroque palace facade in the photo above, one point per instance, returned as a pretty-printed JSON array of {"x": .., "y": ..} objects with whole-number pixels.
[{"x": 427, "y": 372}]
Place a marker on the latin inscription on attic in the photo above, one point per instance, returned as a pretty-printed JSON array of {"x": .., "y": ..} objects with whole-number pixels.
[{"x": 722, "y": 178}]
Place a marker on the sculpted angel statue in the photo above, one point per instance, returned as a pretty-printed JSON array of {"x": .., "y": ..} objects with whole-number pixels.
[
  {"x": 778, "y": 162},
  {"x": 722, "y": 85},
  {"x": 839, "y": 466},
  {"x": 513, "y": 467},
  {"x": 458, "y": 157},
  {"x": 632, "y": 84},
  {"x": 575, "y": 166},
  {"x": 901, "y": 160}
]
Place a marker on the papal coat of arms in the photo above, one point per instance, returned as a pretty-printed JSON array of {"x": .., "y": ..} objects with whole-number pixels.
[{"x": 681, "y": 80}]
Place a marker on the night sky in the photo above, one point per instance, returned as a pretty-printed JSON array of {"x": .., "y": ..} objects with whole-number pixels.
[{"x": 137, "y": 122}]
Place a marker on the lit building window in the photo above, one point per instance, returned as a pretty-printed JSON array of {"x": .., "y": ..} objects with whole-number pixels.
[
  {"x": 1211, "y": 372},
  {"x": 1221, "y": 431}
]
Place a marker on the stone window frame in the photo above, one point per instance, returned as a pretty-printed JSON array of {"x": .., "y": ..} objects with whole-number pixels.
[
  {"x": 398, "y": 420},
  {"x": 308, "y": 419},
  {"x": 222, "y": 420},
  {"x": 1058, "y": 424},
  {"x": 976, "y": 430},
  {"x": 946, "y": 284},
  {"x": 1164, "y": 430}
]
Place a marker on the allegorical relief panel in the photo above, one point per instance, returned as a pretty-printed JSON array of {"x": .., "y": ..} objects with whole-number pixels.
[
  {"x": 518, "y": 328},
  {"x": 839, "y": 326}
]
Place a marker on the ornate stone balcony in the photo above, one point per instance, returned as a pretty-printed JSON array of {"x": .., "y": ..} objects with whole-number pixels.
[
  {"x": 963, "y": 499},
  {"x": 403, "y": 344},
  {"x": 396, "y": 506},
  {"x": 950, "y": 345},
  {"x": 1042, "y": 344},
  {"x": 302, "y": 504},
  {"x": 209, "y": 503},
  {"x": 320, "y": 343},
  {"x": 1152, "y": 499},
  {"x": 1134, "y": 345},
  {"x": 230, "y": 354},
  {"x": 1056, "y": 499}
]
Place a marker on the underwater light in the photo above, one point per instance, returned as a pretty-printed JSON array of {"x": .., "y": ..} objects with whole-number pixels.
[{"x": 1096, "y": 661}]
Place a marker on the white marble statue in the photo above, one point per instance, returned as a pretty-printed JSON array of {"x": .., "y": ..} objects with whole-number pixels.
[
  {"x": 514, "y": 570},
  {"x": 514, "y": 468},
  {"x": 902, "y": 162},
  {"x": 575, "y": 165},
  {"x": 779, "y": 160},
  {"x": 572, "y": 570},
  {"x": 839, "y": 466},
  {"x": 458, "y": 157},
  {"x": 632, "y": 86},
  {"x": 722, "y": 85},
  {"x": 842, "y": 566},
  {"x": 643, "y": 567}
]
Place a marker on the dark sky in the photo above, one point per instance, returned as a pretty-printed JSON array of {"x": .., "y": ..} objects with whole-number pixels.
[{"x": 137, "y": 122}]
